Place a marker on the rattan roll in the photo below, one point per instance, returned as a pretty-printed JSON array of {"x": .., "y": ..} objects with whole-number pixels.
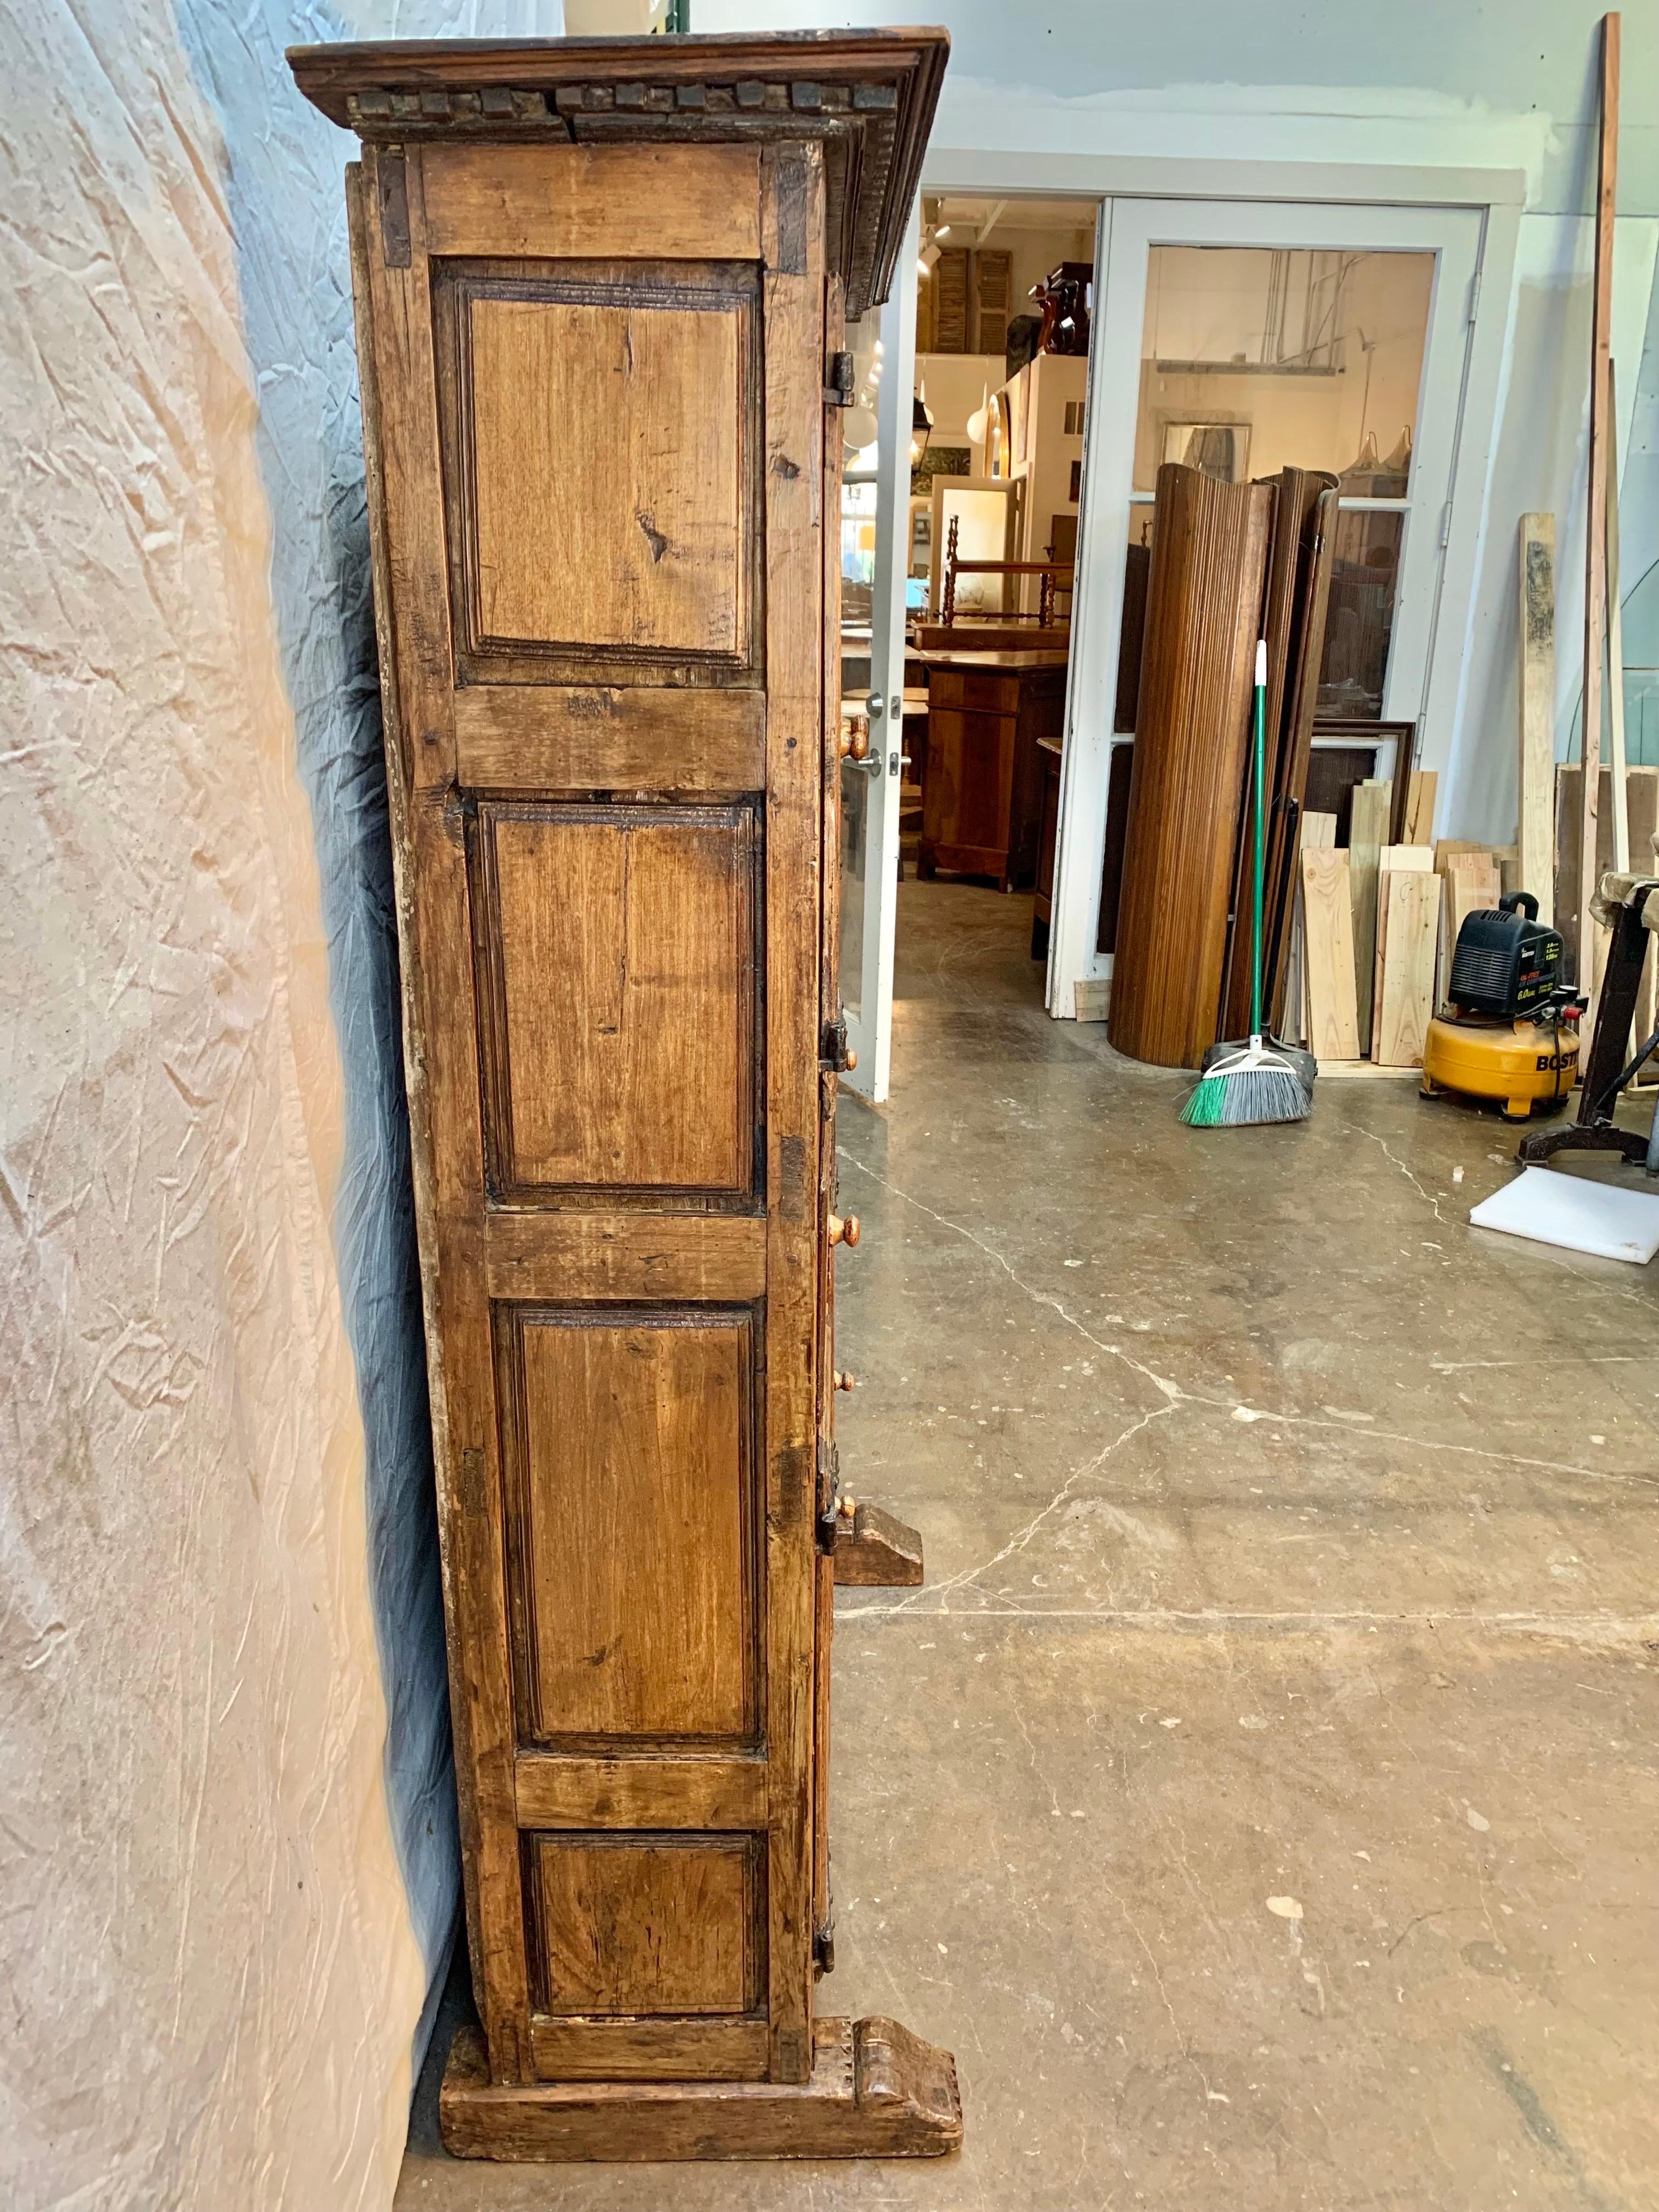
[{"x": 1204, "y": 608}]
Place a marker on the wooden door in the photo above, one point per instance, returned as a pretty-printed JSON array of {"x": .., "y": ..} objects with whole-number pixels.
[{"x": 593, "y": 384}]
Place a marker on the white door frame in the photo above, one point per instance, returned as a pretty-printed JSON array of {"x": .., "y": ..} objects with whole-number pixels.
[
  {"x": 1497, "y": 194},
  {"x": 1431, "y": 609},
  {"x": 870, "y": 1021}
]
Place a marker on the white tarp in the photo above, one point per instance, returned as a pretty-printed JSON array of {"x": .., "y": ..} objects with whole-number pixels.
[{"x": 228, "y": 1856}]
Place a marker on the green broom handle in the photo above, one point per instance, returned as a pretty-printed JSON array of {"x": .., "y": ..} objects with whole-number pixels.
[{"x": 1259, "y": 776}]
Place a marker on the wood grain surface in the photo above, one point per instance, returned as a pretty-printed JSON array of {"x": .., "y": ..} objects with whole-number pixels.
[{"x": 1204, "y": 607}]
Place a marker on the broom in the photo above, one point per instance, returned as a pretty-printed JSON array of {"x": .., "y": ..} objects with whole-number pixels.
[{"x": 1255, "y": 1079}]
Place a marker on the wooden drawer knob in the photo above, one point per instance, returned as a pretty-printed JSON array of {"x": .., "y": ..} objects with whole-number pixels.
[
  {"x": 843, "y": 1380},
  {"x": 855, "y": 742},
  {"x": 851, "y": 1061},
  {"x": 844, "y": 1232}
]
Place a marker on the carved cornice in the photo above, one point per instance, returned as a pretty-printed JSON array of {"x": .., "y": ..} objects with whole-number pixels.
[{"x": 868, "y": 96}]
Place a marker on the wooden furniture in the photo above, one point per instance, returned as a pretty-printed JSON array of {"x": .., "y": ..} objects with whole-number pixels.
[
  {"x": 600, "y": 290},
  {"x": 983, "y": 796},
  {"x": 980, "y": 517},
  {"x": 1050, "y": 574}
]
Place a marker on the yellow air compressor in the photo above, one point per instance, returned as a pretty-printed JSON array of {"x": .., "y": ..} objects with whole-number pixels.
[{"x": 1510, "y": 1032}]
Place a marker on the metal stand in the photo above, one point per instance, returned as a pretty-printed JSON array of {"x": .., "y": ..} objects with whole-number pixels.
[{"x": 1606, "y": 1072}]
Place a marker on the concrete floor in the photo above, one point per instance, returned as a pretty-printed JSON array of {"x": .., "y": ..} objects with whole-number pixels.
[{"x": 1260, "y": 1798}]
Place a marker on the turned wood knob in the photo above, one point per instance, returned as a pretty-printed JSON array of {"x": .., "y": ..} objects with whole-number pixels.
[
  {"x": 844, "y": 1232},
  {"x": 843, "y": 1380},
  {"x": 847, "y": 1506},
  {"x": 851, "y": 1061},
  {"x": 855, "y": 742}
]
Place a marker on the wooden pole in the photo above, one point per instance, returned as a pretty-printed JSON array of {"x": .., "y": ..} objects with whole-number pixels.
[
  {"x": 1615, "y": 643},
  {"x": 1595, "y": 547}
]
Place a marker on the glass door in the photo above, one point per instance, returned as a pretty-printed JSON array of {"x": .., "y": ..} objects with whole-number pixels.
[
  {"x": 1241, "y": 338},
  {"x": 875, "y": 531}
]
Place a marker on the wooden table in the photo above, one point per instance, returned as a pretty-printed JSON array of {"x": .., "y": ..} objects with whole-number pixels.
[{"x": 983, "y": 793}]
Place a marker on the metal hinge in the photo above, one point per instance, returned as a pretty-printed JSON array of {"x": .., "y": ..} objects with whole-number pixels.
[
  {"x": 829, "y": 1493},
  {"x": 1445, "y": 524},
  {"x": 832, "y": 1045},
  {"x": 838, "y": 380},
  {"x": 823, "y": 1944},
  {"x": 1474, "y": 295}
]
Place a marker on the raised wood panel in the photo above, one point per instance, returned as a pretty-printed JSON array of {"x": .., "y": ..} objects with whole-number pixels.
[
  {"x": 572, "y": 203},
  {"x": 557, "y": 737},
  {"x": 574, "y": 1256},
  {"x": 568, "y": 1789},
  {"x": 660, "y": 1924},
  {"x": 615, "y": 951},
  {"x": 649, "y": 2049},
  {"x": 600, "y": 451},
  {"x": 629, "y": 1452}
]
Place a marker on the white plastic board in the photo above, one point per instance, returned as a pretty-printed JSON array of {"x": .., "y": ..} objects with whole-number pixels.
[{"x": 1570, "y": 1210}]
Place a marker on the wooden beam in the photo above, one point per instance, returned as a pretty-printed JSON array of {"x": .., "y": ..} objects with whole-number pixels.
[
  {"x": 1615, "y": 643},
  {"x": 1537, "y": 826},
  {"x": 1368, "y": 832},
  {"x": 1595, "y": 547}
]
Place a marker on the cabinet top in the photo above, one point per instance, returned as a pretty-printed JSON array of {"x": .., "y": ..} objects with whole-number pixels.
[{"x": 868, "y": 96}]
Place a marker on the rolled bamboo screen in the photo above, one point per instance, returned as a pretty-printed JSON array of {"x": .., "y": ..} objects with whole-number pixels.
[{"x": 1203, "y": 610}]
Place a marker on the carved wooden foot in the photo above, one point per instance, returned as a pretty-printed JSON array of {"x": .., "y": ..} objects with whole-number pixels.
[
  {"x": 875, "y": 1550},
  {"x": 877, "y": 2091}
]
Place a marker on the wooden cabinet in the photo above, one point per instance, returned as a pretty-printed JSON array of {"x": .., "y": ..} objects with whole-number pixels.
[
  {"x": 600, "y": 286},
  {"x": 982, "y": 795}
]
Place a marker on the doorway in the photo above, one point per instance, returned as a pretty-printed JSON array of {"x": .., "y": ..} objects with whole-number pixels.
[
  {"x": 961, "y": 504},
  {"x": 1236, "y": 335}
]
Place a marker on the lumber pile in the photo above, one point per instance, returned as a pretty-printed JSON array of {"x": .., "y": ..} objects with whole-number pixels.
[{"x": 1375, "y": 924}]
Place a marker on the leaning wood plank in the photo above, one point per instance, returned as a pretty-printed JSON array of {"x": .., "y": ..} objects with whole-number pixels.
[
  {"x": 1595, "y": 547},
  {"x": 1538, "y": 708},
  {"x": 1317, "y": 834},
  {"x": 1327, "y": 941},
  {"x": 1641, "y": 796},
  {"x": 1419, "y": 806},
  {"x": 1615, "y": 643},
  {"x": 1394, "y": 860},
  {"x": 1406, "y": 998},
  {"x": 1466, "y": 888},
  {"x": 1367, "y": 826}
]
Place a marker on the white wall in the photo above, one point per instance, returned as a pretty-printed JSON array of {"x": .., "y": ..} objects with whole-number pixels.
[{"x": 1225, "y": 100}]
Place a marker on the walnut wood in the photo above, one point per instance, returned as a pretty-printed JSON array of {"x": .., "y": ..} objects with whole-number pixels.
[
  {"x": 604, "y": 617},
  {"x": 875, "y": 1550},
  {"x": 874, "y": 2091},
  {"x": 441, "y": 1075},
  {"x": 1204, "y": 607},
  {"x": 792, "y": 216},
  {"x": 987, "y": 713},
  {"x": 579, "y": 204},
  {"x": 583, "y": 1255},
  {"x": 575, "y": 1790},
  {"x": 586, "y": 738},
  {"x": 660, "y": 2049},
  {"x": 867, "y": 96}
]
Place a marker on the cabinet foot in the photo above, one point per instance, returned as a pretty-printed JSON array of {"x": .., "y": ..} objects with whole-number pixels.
[
  {"x": 875, "y": 1550},
  {"x": 877, "y": 2091}
]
